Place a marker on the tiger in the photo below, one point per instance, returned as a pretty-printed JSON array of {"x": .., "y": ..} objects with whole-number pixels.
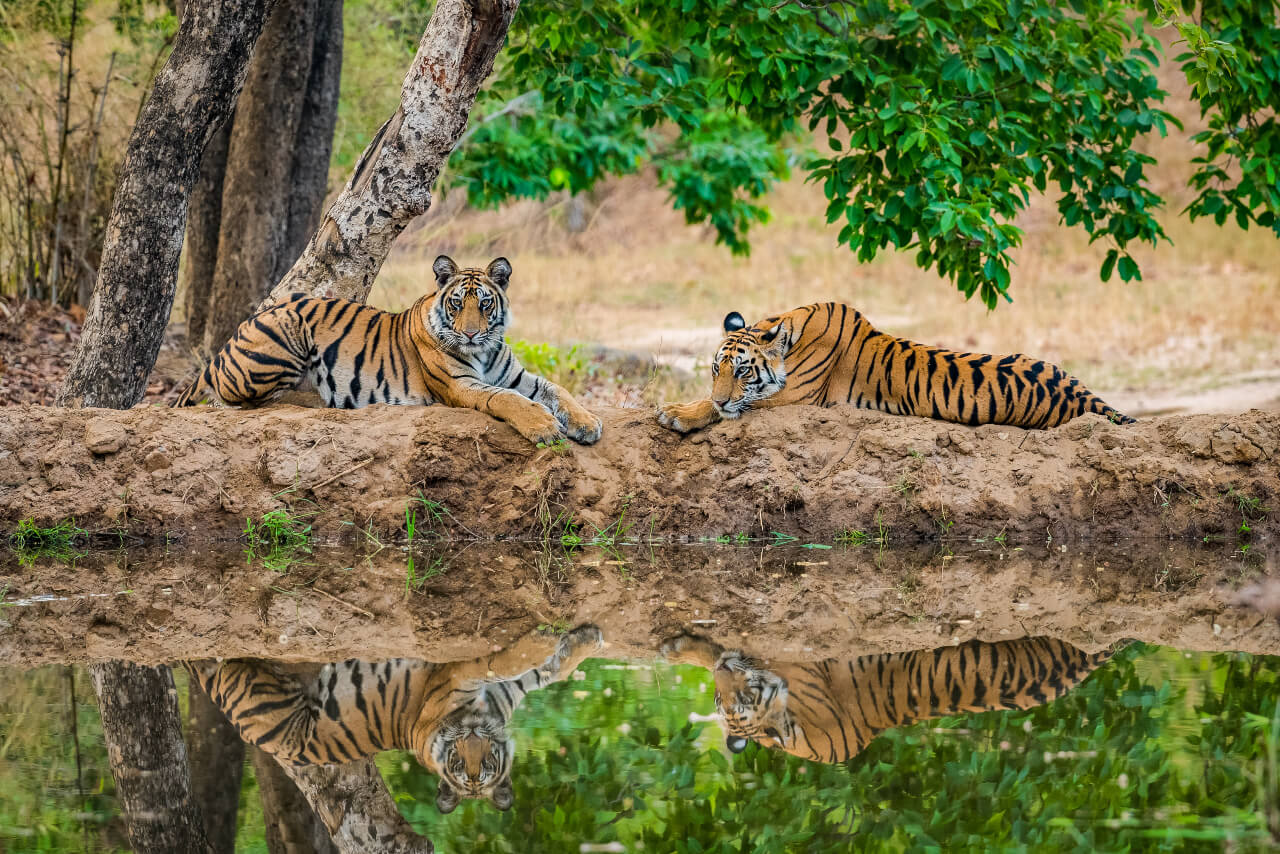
[
  {"x": 453, "y": 717},
  {"x": 828, "y": 711},
  {"x": 828, "y": 353},
  {"x": 448, "y": 348}
]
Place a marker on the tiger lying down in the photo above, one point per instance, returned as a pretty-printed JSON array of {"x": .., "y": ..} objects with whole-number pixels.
[
  {"x": 829, "y": 353},
  {"x": 454, "y": 717},
  {"x": 447, "y": 348},
  {"x": 828, "y": 711}
]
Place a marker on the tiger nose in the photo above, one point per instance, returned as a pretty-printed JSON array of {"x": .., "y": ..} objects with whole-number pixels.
[
  {"x": 719, "y": 401},
  {"x": 471, "y": 335}
]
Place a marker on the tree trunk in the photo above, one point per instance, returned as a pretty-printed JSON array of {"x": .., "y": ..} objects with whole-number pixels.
[
  {"x": 192, "y": 97},
  {"x": 217, "y": 764},
  {"x": 292, "y": 826},
  {"x": 256, "y": 188},
  {"x": 392, "y": 182},
  {"x": 203, "y": 223},
  {"x": 353, "y": 802},
  {"x": 313, "y": 147},
  {"x": 140, "y": 724}
]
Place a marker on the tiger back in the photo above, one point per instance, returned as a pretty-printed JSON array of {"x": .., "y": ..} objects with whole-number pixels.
[
  {"x": 828, "y": 353},
  {"x": 453, "y": 717},
  {"x": 448, "y": 348},
  {"x": 828, "y": 711}
]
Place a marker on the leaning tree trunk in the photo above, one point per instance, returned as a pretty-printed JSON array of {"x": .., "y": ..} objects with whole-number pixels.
[
  {"x": 148, "y": 760},
  {"x": 392, "y": 182},
  {"x": 292, "y": 827},
  {"x": 353, "y": 802},
  {"x": 192, "y": 97},
  {"x": 203, "y": 223},
  {"x": 257, "y": 184},
  {"x": 217, "y": 764}
]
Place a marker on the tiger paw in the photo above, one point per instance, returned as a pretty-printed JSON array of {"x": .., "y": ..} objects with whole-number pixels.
[
  {"x": 687, "y": 417},
  {"x": 688, "y": 648},
  {"x": 539, "y": 426},
  {"x": 583, "y": 427}
]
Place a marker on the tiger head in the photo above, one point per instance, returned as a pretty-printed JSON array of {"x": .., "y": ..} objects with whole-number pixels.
[
  {"x": 470, "y": 312},
  {"x": 752, "y": 701},
  {"x": 471, "y": 753},
  {"x": 749, "y": 364}
]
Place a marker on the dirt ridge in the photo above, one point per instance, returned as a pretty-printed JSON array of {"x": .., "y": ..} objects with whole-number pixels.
[{"x": 195, "y": 475}]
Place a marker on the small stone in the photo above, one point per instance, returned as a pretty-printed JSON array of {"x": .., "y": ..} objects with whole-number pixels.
[
  {"x": 104, "y": 437},
  {"x": 156, "y": 460}
]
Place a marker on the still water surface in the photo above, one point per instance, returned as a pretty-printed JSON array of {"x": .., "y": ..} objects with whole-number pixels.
[{"x": 1151, "y": 748}]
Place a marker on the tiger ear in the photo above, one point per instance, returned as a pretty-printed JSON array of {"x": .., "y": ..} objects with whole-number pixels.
[
  {"x": 735, "y": 743},
  {"x": 503, "y": 796},
  {"x": 500, "y": 272},
  {"x": 447, "y": 797},
  {"x": 733, "y": 322},
  {"x": 767, "y": 337},
  {"x": 444, "y": 268}
]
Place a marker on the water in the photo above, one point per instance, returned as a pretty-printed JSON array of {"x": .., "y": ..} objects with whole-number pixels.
[{"x": 1156, "y": 749}]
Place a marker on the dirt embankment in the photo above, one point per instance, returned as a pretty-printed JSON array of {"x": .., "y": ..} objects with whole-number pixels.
[
  {"x": 787, "y": 603},
  {"x": 195, "y": 475}
]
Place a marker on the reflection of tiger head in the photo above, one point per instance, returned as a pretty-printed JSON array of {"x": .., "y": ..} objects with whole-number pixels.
[
  {"x": 753, "y": 703},
  {"x": 471, "y": 753},
  {"x": 749, "y": 365},
  {"x": 469, "y": 312}
]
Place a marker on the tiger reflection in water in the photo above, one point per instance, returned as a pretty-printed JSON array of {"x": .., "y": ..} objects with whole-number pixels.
[
  {"x": 453, "y": 717},
  {"x": 828, "y": 711}
]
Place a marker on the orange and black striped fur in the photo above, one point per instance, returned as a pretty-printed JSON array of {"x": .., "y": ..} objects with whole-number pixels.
[
  {"x": 447, "y": 348},
  {"x": 454, "y": 717},
  {"x": 828, "y": 711},
  {"x": 828, "y": 353}
]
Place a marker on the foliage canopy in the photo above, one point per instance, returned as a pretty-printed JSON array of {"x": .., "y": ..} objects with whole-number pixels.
[{"x": 937, "y": 119}]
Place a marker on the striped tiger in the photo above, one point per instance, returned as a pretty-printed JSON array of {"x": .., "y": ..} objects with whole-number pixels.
[
  {"x": 828, "y": 353},
  {"x": 453, "y": 717},
  {"x": 448, "y": 347},
  {"x": 828, "y": 711}
]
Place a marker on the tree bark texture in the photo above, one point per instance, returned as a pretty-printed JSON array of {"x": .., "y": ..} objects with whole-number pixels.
[
  {"x": 140, "y": 724},
  {"x": 257, "y": 184},
  {"x": 391, "y": 184},
  {"x": 292, "y": 827},
  {"x": 192, "y": 97},
  {"x": 217, "y": 765},
  {"x": 353, "y": 802},
  {"x": 203, "y": 223}
]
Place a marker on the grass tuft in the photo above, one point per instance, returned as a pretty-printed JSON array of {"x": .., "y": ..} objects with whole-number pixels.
[
  {"x": 60, "y": 542},
  {"x": 279, "y": 539}
]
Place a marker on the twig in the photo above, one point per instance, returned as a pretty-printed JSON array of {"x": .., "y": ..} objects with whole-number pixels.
[
  {"x": 358, "y": 610},
  {"x": 358, "y": 465}
]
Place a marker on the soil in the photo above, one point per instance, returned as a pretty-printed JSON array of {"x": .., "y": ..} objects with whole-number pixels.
[
  {"x": 195, "y": 475},
  {"x": 779, "y": 602}
]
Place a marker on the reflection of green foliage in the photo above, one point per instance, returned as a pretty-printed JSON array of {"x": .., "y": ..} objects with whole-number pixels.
[
  {"x": 279, "y": 539},
  {"x": 30, "y": 542}
]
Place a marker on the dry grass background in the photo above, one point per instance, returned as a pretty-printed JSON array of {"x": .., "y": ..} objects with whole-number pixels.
[{"x": 1205, "y": 315}]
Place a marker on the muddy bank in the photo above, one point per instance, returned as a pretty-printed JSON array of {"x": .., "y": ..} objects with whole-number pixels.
[
  {"x": 795, "y": 603},
  {"x": 195, "y": 475}
]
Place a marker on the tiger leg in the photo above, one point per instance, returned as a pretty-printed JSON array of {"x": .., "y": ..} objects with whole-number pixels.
[
  {"x": 267, "y": 707},
  {"x": 691, "y": 649},
  {"x": 529, "y": 418},
  {"x": 687, "y": 417},
  {"x": 579, "y": 424},
  {"x": 268, "y": 355},
  {"x": 535, "y": 651}
]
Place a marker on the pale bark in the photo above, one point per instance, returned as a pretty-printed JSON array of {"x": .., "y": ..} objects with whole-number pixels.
[
  {"x": 256, "y": 187},
  {"x": 292, "y": 827},
  {"x": 353, "y": 802},
  {"x": 148, "y": 759},
  {"x": 192, "y": 97},
  {"x": 217, "y": 765},
  {"x": 391, "y": 184}
]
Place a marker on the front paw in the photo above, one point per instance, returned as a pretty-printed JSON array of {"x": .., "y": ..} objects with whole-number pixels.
[
  {"x": 584, "y": 428},
  {"x": 539, "y": 426},
  {"x": 682, "y": 417},
  {"x": 687, "y": 648}
]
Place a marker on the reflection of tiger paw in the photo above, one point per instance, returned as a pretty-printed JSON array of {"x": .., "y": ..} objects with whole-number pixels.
[
  {"x": 687, "y": 648},
  {"x": 576, "y": 645},
  {"x": 687, "y": 417}
]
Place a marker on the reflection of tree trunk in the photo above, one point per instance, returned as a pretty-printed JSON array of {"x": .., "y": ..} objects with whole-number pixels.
[
  {"x": 148, "y": 759},
  {"x": 192, "y": 97},
  {"x": 217, "y": 763},
  {"x": 291, "y": 825},
  {"x": 256, "y": 185},
  {"x": 353, "y": 802},
  {"x": 203, "y": 223},
  {"x": 392, "y": 181}
]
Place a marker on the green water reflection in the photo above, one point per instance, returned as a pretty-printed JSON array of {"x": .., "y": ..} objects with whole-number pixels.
[{"x": 1157, "y": 750}]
